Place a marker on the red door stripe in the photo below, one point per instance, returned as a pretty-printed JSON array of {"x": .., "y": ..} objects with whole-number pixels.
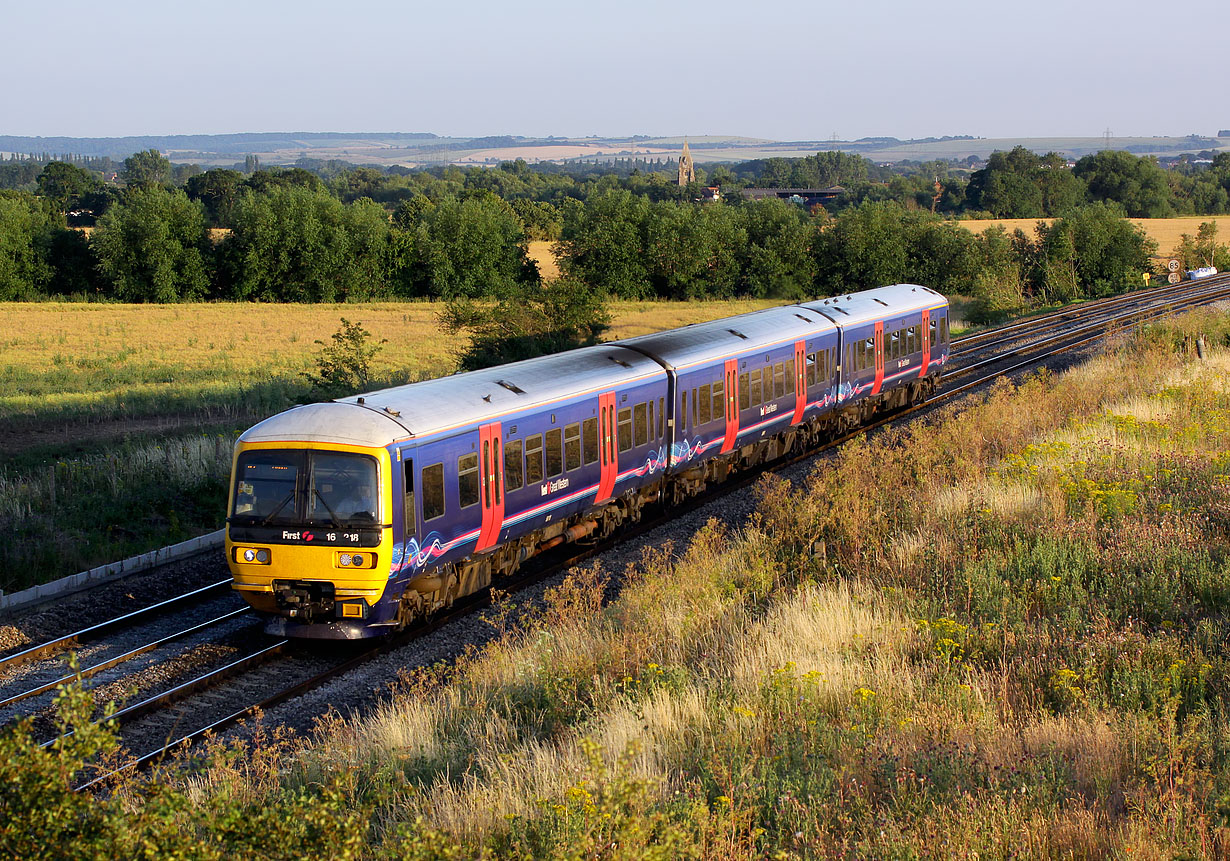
[
  {"x": 731, "y": 389},
  {"x": 491, "y": 490},
  {"x": 607, "y": 456},
  {"x": 879, "y": 354},
  {"x": 800, "y": 381},
  {"x": 924, "y": 330}
]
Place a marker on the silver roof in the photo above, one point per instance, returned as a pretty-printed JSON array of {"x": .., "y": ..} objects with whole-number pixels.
[
  {"x": 868, "y": 305},
  {"x": 419, "y": 409},
  {"x": 704, "y": 342}
]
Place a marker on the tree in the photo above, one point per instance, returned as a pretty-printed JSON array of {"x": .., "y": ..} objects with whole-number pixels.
[
  {"x": 604, "y": 243},
  {"x": 64, "y": 185},
  {"x": 153, "y": 246},
  {"x": 218, "y": 190},
  {"x": 777, "y": 262},
  {"x": 145, "y": 169},
  {"x": 343, "y": 367},
  {"x": 24, "y": 224},
  {"x": 1138, "y": 184},
  {"x": 295, "y": 244},
  {"x": 528, "y": 321},
  {"x": 1094, "y": 251}
]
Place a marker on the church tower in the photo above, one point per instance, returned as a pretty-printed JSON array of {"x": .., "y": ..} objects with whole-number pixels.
[{"x": 687, "y": 171}]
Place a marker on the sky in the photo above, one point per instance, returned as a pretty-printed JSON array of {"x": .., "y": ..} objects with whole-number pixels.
[{"x": 776, "y": 69}]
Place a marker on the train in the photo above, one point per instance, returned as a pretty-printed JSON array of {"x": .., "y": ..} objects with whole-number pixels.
[{"x": 354, "y": 518}]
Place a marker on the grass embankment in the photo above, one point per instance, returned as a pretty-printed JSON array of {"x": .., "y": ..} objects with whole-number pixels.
[
  {"x": 116, "y": 421},
  {"x": 1000, "y": 633}
]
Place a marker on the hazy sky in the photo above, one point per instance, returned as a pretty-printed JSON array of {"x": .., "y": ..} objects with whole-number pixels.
[{"x": 781, "y": 69}]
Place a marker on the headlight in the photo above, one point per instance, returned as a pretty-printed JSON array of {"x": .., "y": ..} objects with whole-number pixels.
[{"x": 252, "y": 555}]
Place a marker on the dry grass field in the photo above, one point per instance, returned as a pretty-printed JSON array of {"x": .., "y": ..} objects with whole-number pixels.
[
  {"x": 548, "y": 265},
  {"x": 1165, "y": 230}
]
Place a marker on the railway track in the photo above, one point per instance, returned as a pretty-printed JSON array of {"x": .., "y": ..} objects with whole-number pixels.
[{"x": 245, "y": 667}]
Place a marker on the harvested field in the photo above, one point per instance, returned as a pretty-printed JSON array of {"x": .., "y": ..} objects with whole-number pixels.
[{"x": 1165, "y": 230}]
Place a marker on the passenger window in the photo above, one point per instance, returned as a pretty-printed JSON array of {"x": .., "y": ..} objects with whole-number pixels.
[
  {"x": 433, "y": 491},
  {"x": 745, "y": 392},
  {"x": 705, "y": 414},
  {"x": 944, "y": 330},
  {"x": 719, "y": 408},
  {"x": 683, "y": 412},
  {"x": 467, "y": 479},
  {"x": 533, "y": 459},
  {"x": 661, "y": 417},
  {"x": 589, "y": 439},
  {"x": 811, "y": 369},
  {"x": 779, "y": 380},
  {"x": 572, "y": 446},
  {"x": 625, "y": 429},
  {"x": 408, "y": 507},
  {"x": 757, "y": 394},
  {"x": 555, "y": 460},
  {"x": 696, "y": 421},
  {"x": 513, "y": 473},
  {"x": 650, "y": 429},
  {"x": 790, "y": 377}
]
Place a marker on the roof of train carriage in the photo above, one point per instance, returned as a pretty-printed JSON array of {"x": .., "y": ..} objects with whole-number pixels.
[
  {"x": 419, "y": 409},
  {"x": 707, "y": 342},
  {"x": 869, "y": 305}
]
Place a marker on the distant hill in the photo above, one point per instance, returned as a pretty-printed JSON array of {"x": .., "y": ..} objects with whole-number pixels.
[{"x": 416, "y": 149}]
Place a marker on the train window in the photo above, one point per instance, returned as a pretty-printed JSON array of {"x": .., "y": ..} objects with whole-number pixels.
[
  {"x": 408, "y": 507},
  {"x": 625, "y": 429},
  {"x": 533, "y": 459},
  {"x": 514, "y": 472},
  {"x": 589, "y": 439},
  {"x": 745, "y": 392},
  {"x": 661, "y": 417},
  {"x": 790, "y": 376},
  {"x": 696, "y": 420},
  {"x": 683, "y": 413},
  {"x": 705, "y": 414},
  {"x": 719, "y": 406},
  {"x": 932, "y": 335},
  {"x": 897, "y": 345},
  {"x": 572, "y": 446},
  {"x": 555, "y": 459},
  {"x": 467, "y": 479},
  {"x": 650, "y": 431},
  {"x": 756, "y": 393},
  {"x": 810, "y": 361},
  {"x": 779, "y": 381},
  {"x": 433, "y": 491},
  {"x": 911, "y": 340},
  {"x": 640, "y": 425},
  {"x": 818, "y": 367},
  {"x": 944, "y": 330}
]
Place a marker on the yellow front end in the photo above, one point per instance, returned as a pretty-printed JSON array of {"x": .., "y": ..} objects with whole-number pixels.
[{"x": 316, "y": 558}]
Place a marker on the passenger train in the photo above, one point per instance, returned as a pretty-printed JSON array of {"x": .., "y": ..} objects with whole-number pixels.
[{"x": 353, "y": 518}]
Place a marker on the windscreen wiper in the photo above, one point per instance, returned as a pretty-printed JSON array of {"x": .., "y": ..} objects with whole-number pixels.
[
  {"x": 337, "y": 524},
  {"x": 278, "y": 510}
]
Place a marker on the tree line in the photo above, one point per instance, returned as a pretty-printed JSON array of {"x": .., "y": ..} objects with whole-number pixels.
[{"x": 344, "y": 233}]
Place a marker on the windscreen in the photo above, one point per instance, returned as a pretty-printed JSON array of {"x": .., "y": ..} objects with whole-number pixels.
[{"x": 281, "y": 487}]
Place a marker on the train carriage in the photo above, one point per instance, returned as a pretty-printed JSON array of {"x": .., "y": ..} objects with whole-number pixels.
[
  {"x": 468, "y": 475},
  {"x": 894, "y": 343}
]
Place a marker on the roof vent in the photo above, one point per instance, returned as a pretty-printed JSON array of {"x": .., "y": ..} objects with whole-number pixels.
[
  {"x": 512, "y": 388},
  {"x": 881, "y": 301},
  {"x": 362, "y": 402},
  {"x": 487, "y": 398},
  {"x": 392, "y": 411},
  {"x": 804, "y": 319},
  {"x": 619, "y": 361},
  {"x": 737, "y": 333}
]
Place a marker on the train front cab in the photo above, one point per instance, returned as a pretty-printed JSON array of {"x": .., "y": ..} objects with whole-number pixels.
[{"x": 309, "y": 537}]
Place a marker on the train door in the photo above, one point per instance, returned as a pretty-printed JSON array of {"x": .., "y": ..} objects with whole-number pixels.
[
  {"x": 924, "y": 332},
  {"x": 607, "y": 460},
  {"x": 491, "y": 484},
  {"x": 731, "y": 388},
  {"x": 879, "y": 357},
  {"x": 800, "y": 381}
]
